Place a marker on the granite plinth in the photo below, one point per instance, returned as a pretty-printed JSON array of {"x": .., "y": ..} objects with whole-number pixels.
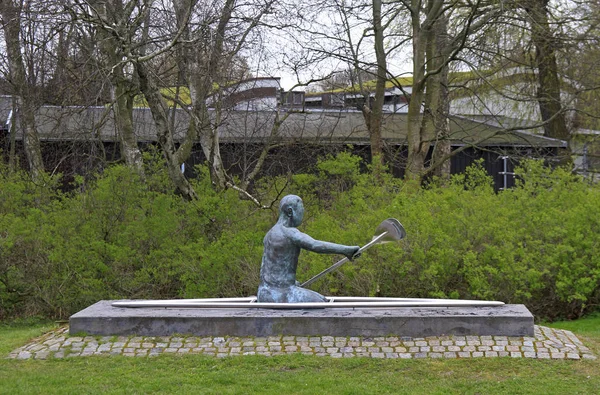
[{"x": 106, "y": 320}]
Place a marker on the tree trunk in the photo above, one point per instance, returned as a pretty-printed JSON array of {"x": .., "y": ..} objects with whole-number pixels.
[
  {"x": 417, "y": 148},
  {"x": 203, "y": 70},
  {"x": 209, "y": 141},
  {"x": 545, "y": 60},
  {"x": 123, "y": 110},
  {"x": 123, "y": 89},
  {"x": 440, "y": 108},
  {"x": 159, "y": 110},
  {"x": 420, "y": 137},
  {"x": 12, "y": 157},
  {"x": 11, "y": 24},
  {"x": 376, "y": 114}
]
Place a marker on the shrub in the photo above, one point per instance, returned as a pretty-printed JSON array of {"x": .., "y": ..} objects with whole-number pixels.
[{"x": 116, "y": 236}]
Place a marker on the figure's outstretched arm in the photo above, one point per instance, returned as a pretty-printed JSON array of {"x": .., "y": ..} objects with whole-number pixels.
[{"x": 322, "y": 247}]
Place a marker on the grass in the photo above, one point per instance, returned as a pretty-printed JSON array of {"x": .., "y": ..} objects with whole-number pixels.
[
  {"x": 589, "y": 326},
  {"x": 296, "y": 373}
]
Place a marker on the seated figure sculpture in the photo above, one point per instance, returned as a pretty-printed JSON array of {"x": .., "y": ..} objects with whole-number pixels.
[{"x": 282, "y": 245}]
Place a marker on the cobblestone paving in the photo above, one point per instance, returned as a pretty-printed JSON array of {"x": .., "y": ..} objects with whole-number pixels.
[{"x": 547, "y": 343}]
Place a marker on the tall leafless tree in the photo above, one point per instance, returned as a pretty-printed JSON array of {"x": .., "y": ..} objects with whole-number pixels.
[{"x": 11, "y": 13}]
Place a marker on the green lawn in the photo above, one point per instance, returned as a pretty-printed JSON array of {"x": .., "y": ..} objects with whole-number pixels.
[{"x": 296, "y": 373}]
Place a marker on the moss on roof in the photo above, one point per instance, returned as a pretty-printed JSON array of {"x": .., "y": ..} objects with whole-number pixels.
[{"x": 368, "y": 86}]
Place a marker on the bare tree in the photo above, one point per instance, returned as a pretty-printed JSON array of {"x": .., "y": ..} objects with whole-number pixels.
[
  {"x": 119, "y": 24},
  {"x": 11, "y": 12}
]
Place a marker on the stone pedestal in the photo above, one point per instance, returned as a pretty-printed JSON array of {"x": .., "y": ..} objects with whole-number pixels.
[{"x": 106, "y": 320}]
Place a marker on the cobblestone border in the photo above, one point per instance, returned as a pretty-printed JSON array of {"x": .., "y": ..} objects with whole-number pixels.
[{"x": 547, "y": 343}]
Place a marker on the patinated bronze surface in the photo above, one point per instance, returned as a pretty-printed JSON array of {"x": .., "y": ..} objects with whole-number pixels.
[{"x": 282, "y": 246}]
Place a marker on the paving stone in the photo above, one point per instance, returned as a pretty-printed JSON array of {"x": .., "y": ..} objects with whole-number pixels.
[
  {"x": 547, "y": 343},
  {"x": 24, "y": 355},
  {"x": 42, "y": 355}
]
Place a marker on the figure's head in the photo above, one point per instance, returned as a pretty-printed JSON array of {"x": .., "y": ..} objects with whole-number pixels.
[{"x": 291, "y": 209}]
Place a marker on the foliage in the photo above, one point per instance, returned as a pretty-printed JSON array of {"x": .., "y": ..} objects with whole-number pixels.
[{"x": 119, "y": 237}]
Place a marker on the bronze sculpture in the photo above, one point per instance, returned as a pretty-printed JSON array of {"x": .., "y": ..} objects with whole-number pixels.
[{"x": 282, "y": 246}]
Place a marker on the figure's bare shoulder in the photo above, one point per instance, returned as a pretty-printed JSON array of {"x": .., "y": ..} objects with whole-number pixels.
[{"x": 296, "y": 236}]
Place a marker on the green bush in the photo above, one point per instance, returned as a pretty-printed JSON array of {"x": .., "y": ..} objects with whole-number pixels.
[{"x": 117, "y": 236}]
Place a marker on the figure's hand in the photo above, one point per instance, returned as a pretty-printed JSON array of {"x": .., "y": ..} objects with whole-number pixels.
[{"x": 353, "y": 252}]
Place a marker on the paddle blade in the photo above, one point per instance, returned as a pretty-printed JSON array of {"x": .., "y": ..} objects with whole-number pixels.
[{"x": 393, "y": 228}]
